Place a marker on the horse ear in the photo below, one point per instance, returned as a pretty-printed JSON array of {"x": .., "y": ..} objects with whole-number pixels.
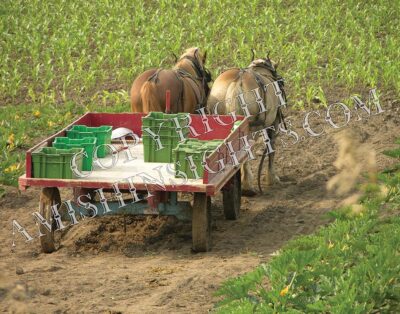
[
  {"x": 275, "y": 64},
  {"x": 175, "y": 56},
  {"x": 204, "y": 57},
  {"x": 196, "y": 53},
  {"x": 268, "y": 55}
]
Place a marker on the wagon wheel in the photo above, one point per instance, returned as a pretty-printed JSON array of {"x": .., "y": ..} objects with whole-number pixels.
[
  {"x": 201, "y": 223},
  {"x": 231, "y": 196},
  {"x": 48, "y": 198}
]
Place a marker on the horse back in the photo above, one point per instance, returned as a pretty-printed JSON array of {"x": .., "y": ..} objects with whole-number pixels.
[
  {"x": 136, "y": 99},
  {"x": 149, "y": 89},
  {"x": 219, "y": 90},
  {"x": 235, "y": 86}
]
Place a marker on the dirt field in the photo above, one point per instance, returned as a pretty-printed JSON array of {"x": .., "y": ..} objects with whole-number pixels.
[{"x": 151, "y": 269}]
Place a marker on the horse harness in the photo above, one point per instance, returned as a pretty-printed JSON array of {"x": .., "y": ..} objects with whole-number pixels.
[
  {"x": 201, "y": 92},
  {"x": 258, "y": 78},
  {"x": 202, "y": 75},
  {"x": 275, "y": 76},
  {"x": 281, "y": 84}
]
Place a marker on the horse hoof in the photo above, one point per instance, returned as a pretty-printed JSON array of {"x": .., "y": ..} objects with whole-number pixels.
[
  {"x": 249, "y": 193},
  {"x": 269, "y": 181}
]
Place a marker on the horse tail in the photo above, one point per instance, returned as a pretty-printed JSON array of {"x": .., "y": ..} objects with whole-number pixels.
[{"x": 148, "y": 93}]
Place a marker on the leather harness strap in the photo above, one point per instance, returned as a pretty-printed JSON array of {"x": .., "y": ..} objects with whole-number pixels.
[
  {"x": 258, "y": 78},
  {"x": 180, "y": 98},
  {"x": 196, "y": 89},
  {"x": 154, "y": 76},
  {"x": 202, "y": 75},
  {"x": 275, "y": 76},
  {"x": 196, "y": 66}
]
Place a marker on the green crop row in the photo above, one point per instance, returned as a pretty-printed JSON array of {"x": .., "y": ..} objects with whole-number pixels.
[
  {"x": 87, "y": 53},
  {"x": 350, "y": 266}
]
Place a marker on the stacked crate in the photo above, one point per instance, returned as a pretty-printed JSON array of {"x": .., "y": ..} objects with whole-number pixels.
[
  {"x": 56, "y": 162},
  {"x": 88, "y": 144},
  {"x": 196, "y": 149},
  {"x": 101, "y": 133},
  {"x": 161, "y": 126},
  {"x": 50, "y": 162}
]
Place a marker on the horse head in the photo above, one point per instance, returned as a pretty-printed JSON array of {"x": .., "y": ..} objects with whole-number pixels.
[
  {"x": 266, "y": 63},
  {"x": 193, "y": 62},
  {"x": 197, "y": 66},
  {"x": 269, "y": 65}
]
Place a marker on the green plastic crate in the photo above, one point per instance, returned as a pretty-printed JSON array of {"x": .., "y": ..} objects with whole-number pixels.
[
  {"x": 87, "y": 143},
  {"x": 201, "y": 145},
  {"x": 196, "y": 149},
  {"x": 168, "y": 140},
  {"x": 157, "y": 119},
  {"x": 101, "y": 133},
  {"x": 50, "y": 162},
  {"x": 180, "y": 158},
  {"x": 162, "y": 125},
  {"x": 213, "y": 144},
  {"x": 184, "y": 164},
  {"x": 152, "y": 155},
  {"x": 163, "y": 155},
  {"x": 166, "y": 131}
]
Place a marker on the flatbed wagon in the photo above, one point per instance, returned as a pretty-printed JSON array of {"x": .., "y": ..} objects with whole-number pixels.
[{"x": 141, "y": 188}]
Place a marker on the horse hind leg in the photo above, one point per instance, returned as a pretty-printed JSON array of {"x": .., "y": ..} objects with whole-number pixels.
[{"x": 247, "y": 180}]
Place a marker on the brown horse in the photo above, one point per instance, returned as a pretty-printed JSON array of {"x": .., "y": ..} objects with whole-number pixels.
[
  {"x": 224, "y": 98},
  {"x": 187, "y": 81}
]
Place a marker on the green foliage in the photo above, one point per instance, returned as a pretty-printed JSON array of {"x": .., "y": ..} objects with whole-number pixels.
[
  {"x": 395, "y": 153},
  {"x": 54, "y": 51},
  {"x": 350, "y": 266},
  {"x": 392, "y": 178},
  {"x": 87, "y": 53}
]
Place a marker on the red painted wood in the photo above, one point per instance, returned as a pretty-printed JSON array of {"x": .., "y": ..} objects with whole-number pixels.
[
  {"x": 28, "y": 164},
  {"x": 218, "y": 131},
  {"x": 71, "y": 183},
  {"x": 168, "y": 101}
]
